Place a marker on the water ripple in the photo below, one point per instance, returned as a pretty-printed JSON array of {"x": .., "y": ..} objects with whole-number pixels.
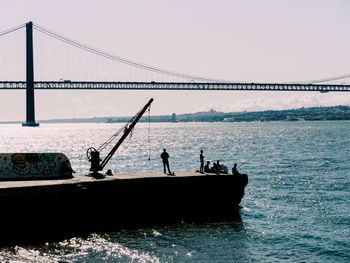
[{"x": 296, "y": 206}]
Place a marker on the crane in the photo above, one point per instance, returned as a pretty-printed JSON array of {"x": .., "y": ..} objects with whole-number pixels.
[{"x": 93, "y": 154}]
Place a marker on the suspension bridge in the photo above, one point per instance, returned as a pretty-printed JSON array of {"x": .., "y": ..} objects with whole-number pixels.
[{"x": 13, "y": 78}]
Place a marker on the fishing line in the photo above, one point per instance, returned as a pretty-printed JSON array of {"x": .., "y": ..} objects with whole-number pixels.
[{"x": 149, "y": 133}]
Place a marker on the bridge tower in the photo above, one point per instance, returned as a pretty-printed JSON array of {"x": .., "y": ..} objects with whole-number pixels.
[{"x": 30, "y": 107}]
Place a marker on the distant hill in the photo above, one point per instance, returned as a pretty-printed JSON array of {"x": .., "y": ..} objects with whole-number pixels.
[{"x": 307, "y": 114}]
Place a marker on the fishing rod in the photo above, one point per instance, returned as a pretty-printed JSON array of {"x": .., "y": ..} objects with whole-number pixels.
[{"x": 251, "y": 157}]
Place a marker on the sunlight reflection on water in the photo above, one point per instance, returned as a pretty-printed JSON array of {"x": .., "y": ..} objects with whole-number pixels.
[{"x": 295, "y": 207}]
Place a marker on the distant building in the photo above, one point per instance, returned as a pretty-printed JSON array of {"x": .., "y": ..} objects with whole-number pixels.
[{"x": 173, "y": 117}]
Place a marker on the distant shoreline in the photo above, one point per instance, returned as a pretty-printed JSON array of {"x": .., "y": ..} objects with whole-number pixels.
[{"x": 303, "y": 114}]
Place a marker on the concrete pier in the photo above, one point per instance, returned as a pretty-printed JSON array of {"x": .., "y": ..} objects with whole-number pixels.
[{"x": 53, "y": 209}]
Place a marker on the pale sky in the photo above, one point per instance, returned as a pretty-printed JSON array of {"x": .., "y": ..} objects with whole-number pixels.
[{"x": 247, "y": 40}]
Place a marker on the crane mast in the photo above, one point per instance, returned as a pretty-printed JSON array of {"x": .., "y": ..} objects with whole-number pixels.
[{"x": 97, "y": 164}]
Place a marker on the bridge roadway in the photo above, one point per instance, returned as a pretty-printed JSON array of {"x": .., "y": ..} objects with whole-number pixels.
[{"x": 89, "y": 85}]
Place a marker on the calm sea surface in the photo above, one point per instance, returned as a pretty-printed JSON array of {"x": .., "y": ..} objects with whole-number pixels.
[{"x": 296, "y": 207}]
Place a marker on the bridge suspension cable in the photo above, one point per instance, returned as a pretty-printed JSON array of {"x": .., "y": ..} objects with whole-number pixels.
[
  {"x": 155, "y": 69},
  {"x": 11, "y": 30},
  {"x": 129, "y": 62},
  {"x": 340, "y": 77},
  {"x": 121, "y": 59}
]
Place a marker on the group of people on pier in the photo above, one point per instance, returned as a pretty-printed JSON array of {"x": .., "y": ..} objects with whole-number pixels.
[{"x": 215, "y": 168}]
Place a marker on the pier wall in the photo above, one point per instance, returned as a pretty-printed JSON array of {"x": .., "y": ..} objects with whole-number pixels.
[{"x": 54, "y": 209}]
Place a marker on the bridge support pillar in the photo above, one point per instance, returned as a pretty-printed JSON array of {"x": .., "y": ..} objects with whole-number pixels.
[{"x": 30, "y": 106}]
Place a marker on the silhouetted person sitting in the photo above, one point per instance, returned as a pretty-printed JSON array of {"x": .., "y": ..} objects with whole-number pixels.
[
  {"x": 218, "y": 167},
  {"x": 213, "y": 169},
  {"x": 165, "y": 159},
  {"x": 234, "y": 169},
  {"x": 207, "y": 168},
  {"x": 224, "y": 169}
]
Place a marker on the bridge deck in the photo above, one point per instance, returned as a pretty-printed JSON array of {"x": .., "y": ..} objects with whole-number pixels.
[{"x": 86, "y": 85}]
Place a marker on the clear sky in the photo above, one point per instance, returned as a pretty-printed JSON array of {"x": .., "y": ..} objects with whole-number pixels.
[{"x": 238, "y": 40}]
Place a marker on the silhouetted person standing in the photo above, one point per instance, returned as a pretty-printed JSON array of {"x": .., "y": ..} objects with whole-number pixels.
[
  {"x": 201, "y": 158},
  {"x": 165, "y": 159}
]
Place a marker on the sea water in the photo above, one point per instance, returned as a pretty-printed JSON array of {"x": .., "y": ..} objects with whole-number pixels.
[{"x": 296, "y": 207}]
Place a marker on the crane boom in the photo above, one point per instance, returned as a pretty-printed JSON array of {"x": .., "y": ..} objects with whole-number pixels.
[{"x": 95, "y": 155}]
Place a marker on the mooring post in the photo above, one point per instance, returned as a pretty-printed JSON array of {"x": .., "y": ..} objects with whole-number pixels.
[{"x": 30, "y": 107}]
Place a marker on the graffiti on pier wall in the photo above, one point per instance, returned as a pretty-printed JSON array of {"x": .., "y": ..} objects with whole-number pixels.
[{"x": 33, "y": 165}]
